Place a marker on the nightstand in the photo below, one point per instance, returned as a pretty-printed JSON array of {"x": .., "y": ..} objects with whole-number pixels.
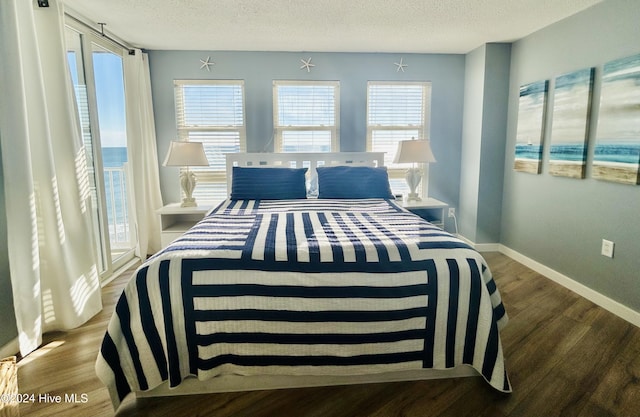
[
  {"x": 175, "y": 220},
  {"x": 430, "y": 209}
]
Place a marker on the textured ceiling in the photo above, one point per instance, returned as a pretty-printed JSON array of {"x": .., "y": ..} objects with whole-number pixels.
[{"x": 424, "y": 26}]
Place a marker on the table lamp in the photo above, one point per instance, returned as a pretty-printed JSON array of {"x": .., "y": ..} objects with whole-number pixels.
[
  {"x": 414, "y": 152},
  {"x": 186, "y": 154}
]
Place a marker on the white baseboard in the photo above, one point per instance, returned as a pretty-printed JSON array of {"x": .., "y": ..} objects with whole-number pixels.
[
  {"x": 10, "y": 349},
  {"x": 595, "y": 297},
  {"x": 601, "y": 300},
  {"x": 487, "y": 247},
  {"x": 481, "y": 247}
]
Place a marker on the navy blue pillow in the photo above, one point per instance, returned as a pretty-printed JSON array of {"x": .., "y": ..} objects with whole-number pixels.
[
  {"x": 268, "y": 183},
  {"x": 353, "y": 182}
]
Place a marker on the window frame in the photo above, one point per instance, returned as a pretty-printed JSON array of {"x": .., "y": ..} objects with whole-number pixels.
[
  {"x": 398, "y": 171},
  {"x": 215, "y": 178},
  {"x": 334, "y": 129}
]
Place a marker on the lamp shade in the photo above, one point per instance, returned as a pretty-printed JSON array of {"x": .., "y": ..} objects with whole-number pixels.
[
  {"x": 186, "y": 154},
  {"x": 412, "y": 151}
]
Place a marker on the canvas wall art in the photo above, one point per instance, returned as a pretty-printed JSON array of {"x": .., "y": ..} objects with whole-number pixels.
[
  {"x": 529, "y": 136},
  {"x": 569, "y": 124},
  {"x": 617, "y": 148}
]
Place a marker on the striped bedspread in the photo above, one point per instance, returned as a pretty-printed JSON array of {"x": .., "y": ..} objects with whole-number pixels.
[{"x": 305, "y": 287}]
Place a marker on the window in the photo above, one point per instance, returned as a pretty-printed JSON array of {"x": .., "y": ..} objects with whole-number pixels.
[
  {"x": 395, "y": 112},
  {"x": 306, "y": 116},
  {"x": 211, "y": 112}
]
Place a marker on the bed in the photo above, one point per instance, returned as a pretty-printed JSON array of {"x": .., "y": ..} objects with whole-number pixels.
[{"x": 273, "y": 289}]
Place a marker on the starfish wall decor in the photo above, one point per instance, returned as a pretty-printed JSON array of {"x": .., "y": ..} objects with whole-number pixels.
[
  {"x": 307, "y": 64},
  {"x": 401, "y": 65},
  {"x": 206, "y": 63}
]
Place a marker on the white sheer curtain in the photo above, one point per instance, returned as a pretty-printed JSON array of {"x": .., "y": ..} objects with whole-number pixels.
[
  {"x": 141, "y": 139},
  {"x": 51, "y": 254}
]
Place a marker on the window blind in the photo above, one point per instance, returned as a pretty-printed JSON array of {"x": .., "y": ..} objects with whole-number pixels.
[
  {"x": 211, "y": 112},
  {"x": 396, "y": 111},
  {"x": 306, "y": 116}
]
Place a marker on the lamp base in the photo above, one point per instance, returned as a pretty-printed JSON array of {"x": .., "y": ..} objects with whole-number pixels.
[
  {"x": 188, "y": 183},
  {"x": 413, "y": 177},
  {"x": 189, "y": 202},
  {"x": 413, "y": 197}
]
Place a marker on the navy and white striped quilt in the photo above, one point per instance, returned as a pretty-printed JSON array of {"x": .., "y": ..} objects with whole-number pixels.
[{"x": 305, "y": 287}]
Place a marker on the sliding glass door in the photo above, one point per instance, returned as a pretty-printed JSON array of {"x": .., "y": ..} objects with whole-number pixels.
[
  {"x": 97, "y": 75},
  {"x": 109, "y": 86}
]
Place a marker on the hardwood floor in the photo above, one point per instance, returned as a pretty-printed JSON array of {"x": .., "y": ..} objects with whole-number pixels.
[{"x": 565, "y": 357}]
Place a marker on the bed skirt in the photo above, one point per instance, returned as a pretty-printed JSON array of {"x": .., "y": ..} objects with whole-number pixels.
[{"x": 240, "y": 383}]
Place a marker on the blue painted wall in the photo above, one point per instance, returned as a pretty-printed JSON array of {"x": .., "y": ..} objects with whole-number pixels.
[
  {"x": 353, "y": 70},
  {"x": 557, "y": 221},
  {"x": 483, "y": 142}
]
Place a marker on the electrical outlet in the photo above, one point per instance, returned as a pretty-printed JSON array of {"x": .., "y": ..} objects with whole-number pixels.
[
  {"x": 607, "y": 248},
  {"x": 452, "y": 212}
]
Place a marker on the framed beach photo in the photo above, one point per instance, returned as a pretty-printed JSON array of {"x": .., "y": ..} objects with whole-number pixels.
[
  {"x": 571, "y": 107},
  {"x": 617, "y": 149},
  {"x": 529, "y": 136}
]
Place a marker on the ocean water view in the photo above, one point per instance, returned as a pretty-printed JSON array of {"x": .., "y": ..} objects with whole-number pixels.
[{"x": 113, "y": 157}]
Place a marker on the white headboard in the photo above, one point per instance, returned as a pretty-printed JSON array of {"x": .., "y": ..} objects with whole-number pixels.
[{"x": 309, "y": 160}]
